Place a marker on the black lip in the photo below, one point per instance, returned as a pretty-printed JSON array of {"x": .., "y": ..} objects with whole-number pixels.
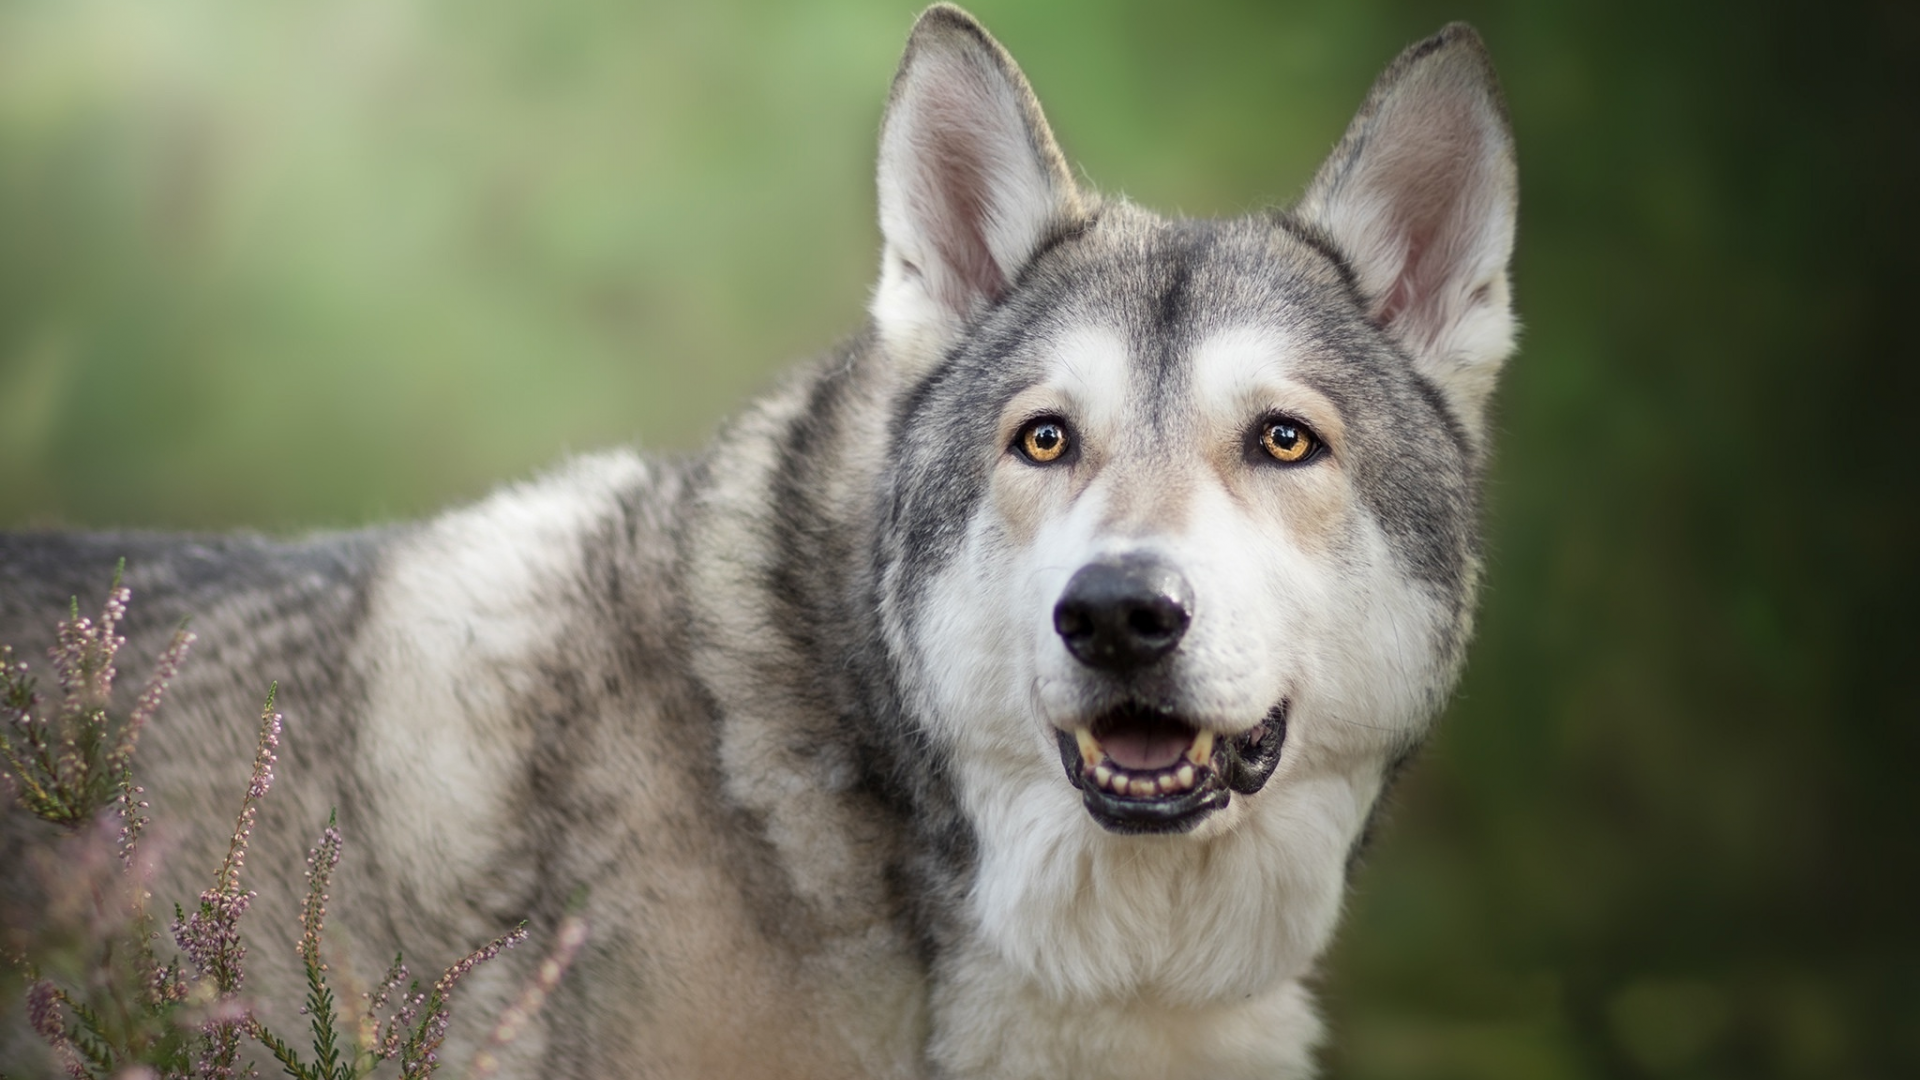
[
  {"x": 1252, "y": 757},
  {"x": 1243, "y": 764}
]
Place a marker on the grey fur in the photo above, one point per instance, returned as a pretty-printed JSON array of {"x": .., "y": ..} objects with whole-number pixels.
[{"x": 696, "y": 688}]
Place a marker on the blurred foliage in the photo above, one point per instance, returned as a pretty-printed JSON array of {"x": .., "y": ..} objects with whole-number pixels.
[{"x": 318, "y": 263}]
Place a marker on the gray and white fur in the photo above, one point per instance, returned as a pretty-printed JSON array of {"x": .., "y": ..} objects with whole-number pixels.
[{"x": 817, "y": 717}]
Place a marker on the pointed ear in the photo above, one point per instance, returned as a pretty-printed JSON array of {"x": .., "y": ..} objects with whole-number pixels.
[
  {"x": 1421, "y": 197},
  {"x": 971, "y": 184}
]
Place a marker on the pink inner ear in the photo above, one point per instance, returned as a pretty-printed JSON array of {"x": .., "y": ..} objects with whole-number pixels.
[
  {"x": 1429, "y": 184},
  {"x": 959, "y": 218},
  {"x": 1417, "y": 294},
  {"x": 953, "y": 196},
  {"x": 1404, "y": 292}
]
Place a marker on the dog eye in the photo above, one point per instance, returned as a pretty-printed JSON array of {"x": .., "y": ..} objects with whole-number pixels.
[
  {"x": 1043, "y": 440},
  {"x": 1286, "y": 440}
]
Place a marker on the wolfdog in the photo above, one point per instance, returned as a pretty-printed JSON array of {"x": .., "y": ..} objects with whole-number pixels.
[{"x": 1004, "y": 695}]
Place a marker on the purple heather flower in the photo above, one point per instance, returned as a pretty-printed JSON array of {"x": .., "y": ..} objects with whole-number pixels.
[
  {"x": 83, "y": 654},
  {"x": 321, "y": 862},
  {"x": 43, "y": 1014},
  {"x": 211, "y": 936},
  {"x": 421, "y": 1056}
]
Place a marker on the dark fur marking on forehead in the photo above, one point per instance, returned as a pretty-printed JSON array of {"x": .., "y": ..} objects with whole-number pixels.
[
  {"x": 1176, "y": 299},
  {"x": 1167, "y": 332}
]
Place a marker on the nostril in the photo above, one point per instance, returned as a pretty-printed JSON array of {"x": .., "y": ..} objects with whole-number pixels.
[
  {"x": 1153, "y": 621},
  {"x": 1070, "y": 620}
]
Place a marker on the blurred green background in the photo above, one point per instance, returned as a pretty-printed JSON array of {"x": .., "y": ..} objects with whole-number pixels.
[{"x": 309, "y": 264}]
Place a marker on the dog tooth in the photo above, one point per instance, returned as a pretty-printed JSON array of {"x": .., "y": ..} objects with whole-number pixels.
[
  {"x": 1202, "y": 749},
  {"x": 1166, "y": 783},
  {"x": 1090, "y": 749},
  {"x": 1140, "y": 787},
  {"x": 1102, "y": 775},
  {"x": 1185, "y": 775}
]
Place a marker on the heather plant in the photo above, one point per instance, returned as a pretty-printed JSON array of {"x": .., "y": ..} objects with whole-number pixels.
[
  {"x": 98, "y": 994},
  {"x": 68, "y": 765}
]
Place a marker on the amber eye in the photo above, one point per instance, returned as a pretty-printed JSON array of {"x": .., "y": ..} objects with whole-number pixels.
[
  {"x": 1043, "y": 440},
  {"x": 1287, "y": 441}
]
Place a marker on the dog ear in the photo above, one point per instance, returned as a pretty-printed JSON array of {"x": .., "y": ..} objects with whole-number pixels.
[
  {"x": 1421, "y": 196},
  {"x": 971, "y": 184}
]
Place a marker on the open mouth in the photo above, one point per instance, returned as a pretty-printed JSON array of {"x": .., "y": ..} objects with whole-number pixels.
[{"x": 1140, "y": 769}]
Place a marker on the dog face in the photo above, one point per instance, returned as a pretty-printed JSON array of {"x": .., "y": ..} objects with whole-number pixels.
[
  {"x": 1195, "y": 515},
  {"x": 1186, "y": 508}
]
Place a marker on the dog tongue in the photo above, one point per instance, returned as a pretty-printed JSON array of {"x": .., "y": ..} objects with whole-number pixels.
[{"x": 1146, "y": 748}]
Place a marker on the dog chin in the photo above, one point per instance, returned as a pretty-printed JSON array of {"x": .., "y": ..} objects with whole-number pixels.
[{"x": 1142, "y": 769}]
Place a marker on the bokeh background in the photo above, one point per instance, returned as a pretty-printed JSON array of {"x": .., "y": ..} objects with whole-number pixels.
[{"x": 316, "y": 263}]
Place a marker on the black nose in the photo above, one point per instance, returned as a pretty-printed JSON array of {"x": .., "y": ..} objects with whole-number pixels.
[{"x": 1123, "y": 613}]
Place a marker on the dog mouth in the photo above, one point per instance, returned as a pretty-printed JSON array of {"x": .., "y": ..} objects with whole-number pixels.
[{"x": 1145, "y": 770}]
